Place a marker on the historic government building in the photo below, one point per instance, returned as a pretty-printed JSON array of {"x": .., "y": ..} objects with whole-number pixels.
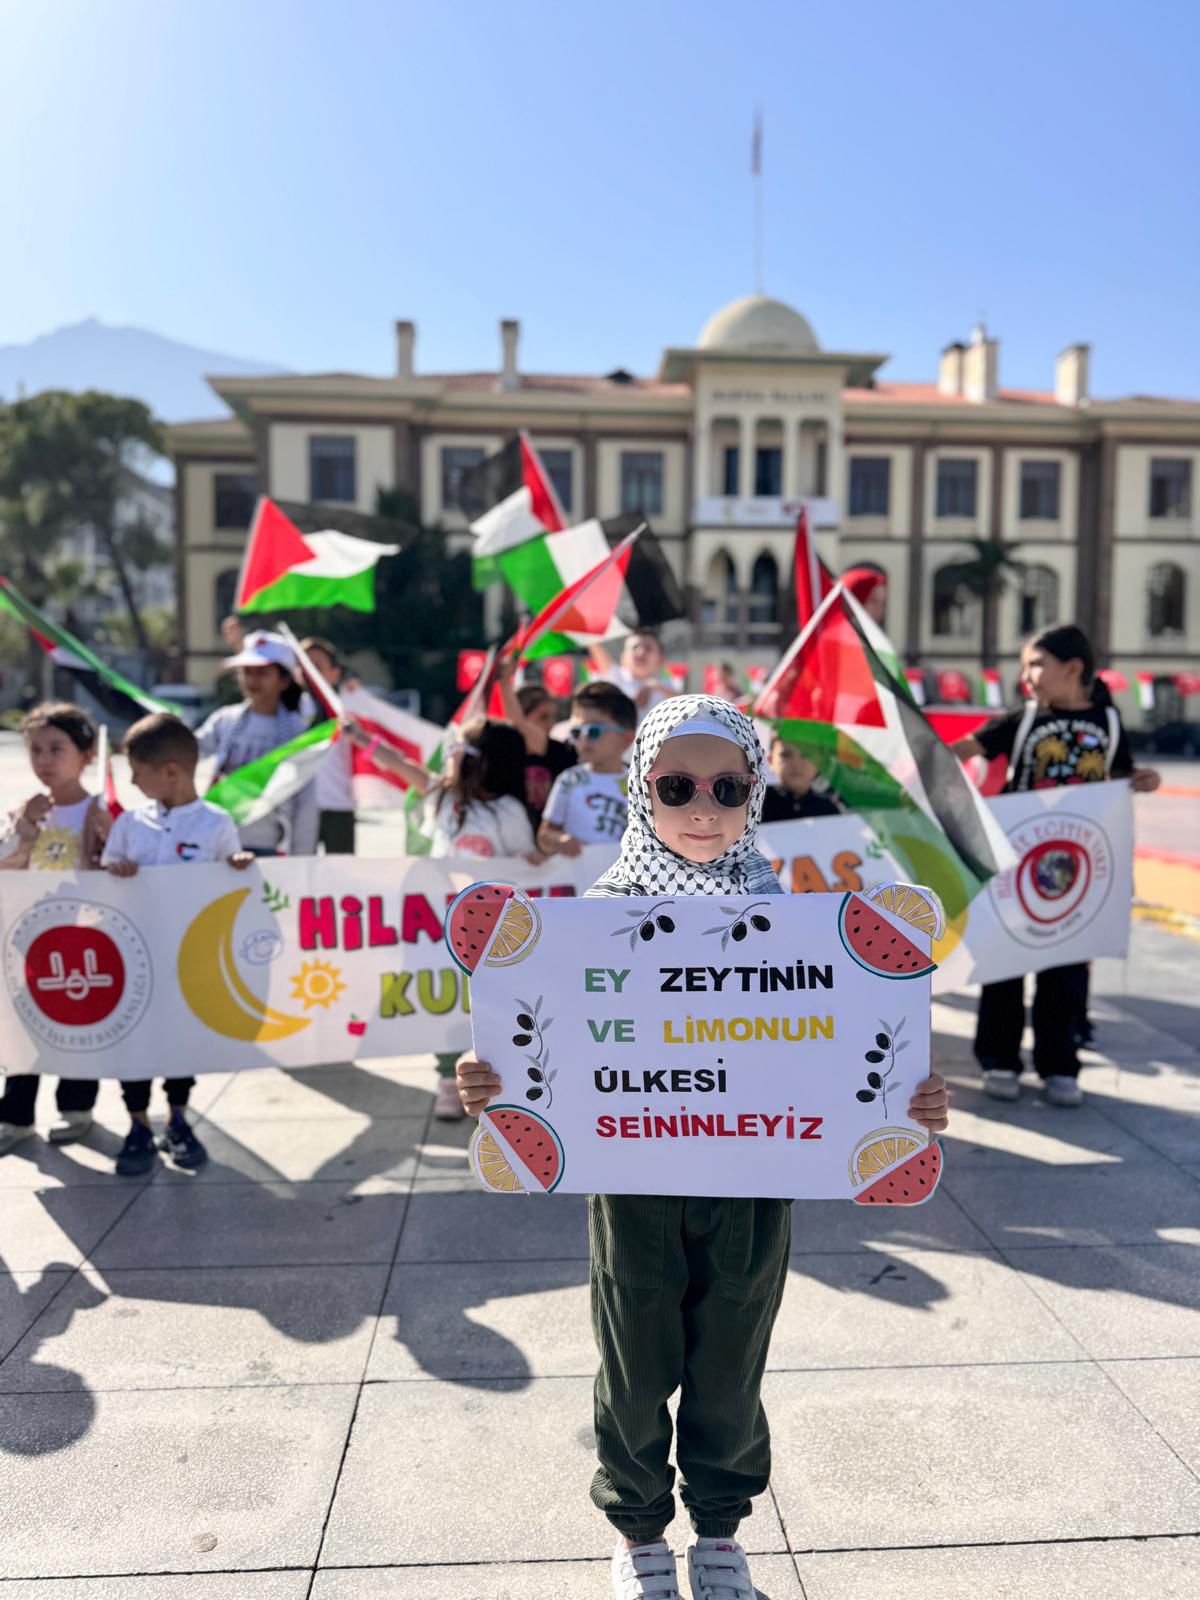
[{"x": 718, "y": 448}]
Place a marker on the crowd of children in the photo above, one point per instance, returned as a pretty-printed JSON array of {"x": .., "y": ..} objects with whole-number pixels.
[{"x": 684, "y": 1291}]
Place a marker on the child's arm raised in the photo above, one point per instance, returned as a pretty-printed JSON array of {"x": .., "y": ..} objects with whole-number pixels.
[
  {"x": 478, "y": 1085},
  {"x": 384, "y": 756}
]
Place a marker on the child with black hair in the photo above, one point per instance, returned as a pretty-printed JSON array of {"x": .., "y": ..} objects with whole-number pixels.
[
  {"x": 335, "y": 776},
  {"x": 268, "y": 716},
  {"x": 476, "y": 807},
  {"x": 60, "y": 829},
  {"x": 533, "y": 711},
  {"x": 685, "y": 1290},
  {"x": 176, "y": 829},
  {"x": 589, "y": 803},
  {"x": 1068, "y": 732},
  {"x": 791, "y": 797}
]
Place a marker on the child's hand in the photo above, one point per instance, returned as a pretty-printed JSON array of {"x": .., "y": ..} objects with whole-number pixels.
[
  {"x": 37, "y": 809},
  {"x": 1144, "y": 780},
  {"x": 122, "y": 869},
  {"x": 930, "y": 1104},
  {"x": 568, "y": 845},
  {"x": 477, "y": 1084},
  {"x": 241, "y": 859},
  {"x": 355, "y": 732}
]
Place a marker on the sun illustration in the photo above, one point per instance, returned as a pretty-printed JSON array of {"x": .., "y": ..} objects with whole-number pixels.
[{"x": 318, "y": 983}]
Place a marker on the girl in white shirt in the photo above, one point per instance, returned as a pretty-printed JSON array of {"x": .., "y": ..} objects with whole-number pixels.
[{"x": 475, "y": 807}]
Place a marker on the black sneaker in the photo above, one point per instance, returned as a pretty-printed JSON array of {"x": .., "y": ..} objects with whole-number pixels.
[
  {"x": 138, "y": 1153},
  {"x": 181, "y": 1144}
]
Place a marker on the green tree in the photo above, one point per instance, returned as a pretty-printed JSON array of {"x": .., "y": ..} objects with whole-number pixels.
[
  {"x": 65, "y": 461},
  {"x": 987, "y": 574}
]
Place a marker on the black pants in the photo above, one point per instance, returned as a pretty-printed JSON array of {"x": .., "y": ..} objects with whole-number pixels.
[
  {"x": 1058, "y": 1001},
  {"x": 20, "y": 1096},
  {"x": 136, "y": 1094},
  {"x": 336, "y": 832}
]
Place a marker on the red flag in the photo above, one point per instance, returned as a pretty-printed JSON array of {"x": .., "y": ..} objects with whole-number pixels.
[
  {"x": 558, "y": 676},
  {"x": 470, "y": 665},
  {"x": 825, "y": 676},
  {"x": 952, "y": 685},
  {"x": 813, "y": 578}
]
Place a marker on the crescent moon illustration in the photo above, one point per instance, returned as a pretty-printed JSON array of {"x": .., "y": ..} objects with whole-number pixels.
[{"x": 214, "y": 988}]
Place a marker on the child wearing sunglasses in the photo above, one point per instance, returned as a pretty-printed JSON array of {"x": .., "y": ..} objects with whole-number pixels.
[
  {"x": 588, "y": 803},
  {"x": 685, "y": 1290}
]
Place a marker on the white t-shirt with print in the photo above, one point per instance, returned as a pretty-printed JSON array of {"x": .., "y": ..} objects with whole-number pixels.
[
  {"x": 497, "y": 828},
  {"x": 153, "y": 836},
  {"x": 59, "y": 844},
  {"x": 592, "y": 807}
]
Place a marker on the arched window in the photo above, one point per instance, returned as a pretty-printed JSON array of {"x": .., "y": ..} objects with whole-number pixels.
[
  {"x": 954, "y": 605},
  {"x": 1039, "y": 599},
  {"x": 1166, "y": 601},
  {"x": 764, "y": 590},
  {"x": 720, "y": 591},
  {"x": 224, "y": 590}
]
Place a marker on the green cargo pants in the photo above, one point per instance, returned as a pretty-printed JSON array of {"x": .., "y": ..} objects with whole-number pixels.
[{"x": 684, "y": 1296}]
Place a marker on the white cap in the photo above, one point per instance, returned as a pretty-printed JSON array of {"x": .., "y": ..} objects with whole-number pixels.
[
  {"x": 263, "y": 649},
  {"x": 705, "y": 724}
]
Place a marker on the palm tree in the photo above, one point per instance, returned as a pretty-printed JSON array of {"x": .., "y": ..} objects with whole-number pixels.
[{"x": 987, "y": 574}]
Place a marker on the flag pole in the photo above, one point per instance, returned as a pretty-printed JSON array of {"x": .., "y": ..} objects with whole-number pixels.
[{"x": 325, "y": 691}]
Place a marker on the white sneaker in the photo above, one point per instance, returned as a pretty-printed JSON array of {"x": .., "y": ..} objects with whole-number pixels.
[
  {"x": 11, "y": 1134},
  {"x": 647, "y": 1572},
  {"x": 70, "y": 1125},
  {"x": 1001, "y": 1085},
  {"x": 717, "y": 1570},
  {"x": 1062, "y": 1091},
  {"x": 448, "y": 1107}
]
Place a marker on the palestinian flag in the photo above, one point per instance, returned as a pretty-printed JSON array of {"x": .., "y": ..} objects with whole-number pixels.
[
  {"x": 583, "y": 612},
  {"x": 813, "y": 579},
  {"x": 255, "y": 790},
  {"x": 124, "y": 701},
  {"x": 507, "y": 500},
  {"x": 834, "y": 697},
  {"x": 286, "y": 570},
  {"x": 542, "y": 567}
]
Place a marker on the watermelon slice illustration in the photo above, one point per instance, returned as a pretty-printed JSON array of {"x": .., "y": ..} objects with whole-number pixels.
[
  {"x": 491, "y": 923},
  {"x": 876, "y": 942},
  {"x": 909, "y": 1184},
  {"x": 517, "y": 1152}
]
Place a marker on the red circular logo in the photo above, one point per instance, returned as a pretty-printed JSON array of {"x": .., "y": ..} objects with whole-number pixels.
[
  {"x": 75, "y": 975},
  {"x": 1053, "y": 878}
]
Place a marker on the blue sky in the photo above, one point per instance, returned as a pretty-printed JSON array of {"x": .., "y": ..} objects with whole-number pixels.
[{"x": 280, "y": 179}]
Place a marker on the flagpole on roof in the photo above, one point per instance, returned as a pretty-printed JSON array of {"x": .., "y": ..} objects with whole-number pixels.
[{"x": 756, "y": 174}]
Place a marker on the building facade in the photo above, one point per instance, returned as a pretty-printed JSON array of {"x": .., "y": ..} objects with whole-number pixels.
[{"x": 1098, "y": 498}]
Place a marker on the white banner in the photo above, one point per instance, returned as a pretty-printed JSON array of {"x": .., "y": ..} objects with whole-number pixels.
[
  {"x": 299, "y": 962},
  {"x": 695, "y": 1045}
]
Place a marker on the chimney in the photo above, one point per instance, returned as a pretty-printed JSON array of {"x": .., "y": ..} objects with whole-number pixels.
[
  {"x": 510, "y": 332},
  {"x": 406, "y": 339},
  {"x": 950, "y": 370},
  {"x": 981, "y": 364},
  {"x": 1071, "y": 375}
]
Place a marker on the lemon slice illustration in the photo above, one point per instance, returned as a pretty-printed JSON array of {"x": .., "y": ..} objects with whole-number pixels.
[
  {"x": 881, "y": 1150},
  {"x": 920, "y": 908}
]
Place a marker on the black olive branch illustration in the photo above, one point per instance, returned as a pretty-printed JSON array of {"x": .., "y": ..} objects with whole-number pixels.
[
  {"x": 646, "y": 923},
  {"x": 888, "y": 1046},
  {"x": 744, "y": 918},
  {"x": 531, "y": 1028}
]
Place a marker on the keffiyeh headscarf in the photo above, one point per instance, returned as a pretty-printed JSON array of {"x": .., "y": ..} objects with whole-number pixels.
[{"x": 646, "y": 865}]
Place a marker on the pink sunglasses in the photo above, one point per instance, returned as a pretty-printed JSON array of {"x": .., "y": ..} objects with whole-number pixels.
[{"x": 729, "y": 789}]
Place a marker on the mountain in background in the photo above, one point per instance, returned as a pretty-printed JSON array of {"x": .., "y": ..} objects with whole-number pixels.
[{"x": 166, "y": 375}]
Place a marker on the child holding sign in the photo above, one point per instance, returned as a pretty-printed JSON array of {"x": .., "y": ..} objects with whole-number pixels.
[{"x": 685, "y": 1290}]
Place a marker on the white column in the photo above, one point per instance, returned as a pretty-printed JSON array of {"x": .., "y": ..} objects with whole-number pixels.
[
  {"x": 791, "y": 452},
  {"x": 702, "y": 486},
  {"x": 745, "y": 457},
  {"x": 835, "y": 466}
]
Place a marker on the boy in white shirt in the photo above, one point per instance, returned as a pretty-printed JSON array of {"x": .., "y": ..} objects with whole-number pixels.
[
  {"x": 176, "y": 828},
  {"x": 589, "y": 803}
]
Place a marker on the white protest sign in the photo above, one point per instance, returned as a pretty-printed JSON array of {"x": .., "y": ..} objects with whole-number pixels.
[{"x": 701, "y": 1046}]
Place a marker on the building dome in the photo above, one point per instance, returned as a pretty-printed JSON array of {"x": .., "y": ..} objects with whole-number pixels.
[{"x": 758, "y": 325}]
